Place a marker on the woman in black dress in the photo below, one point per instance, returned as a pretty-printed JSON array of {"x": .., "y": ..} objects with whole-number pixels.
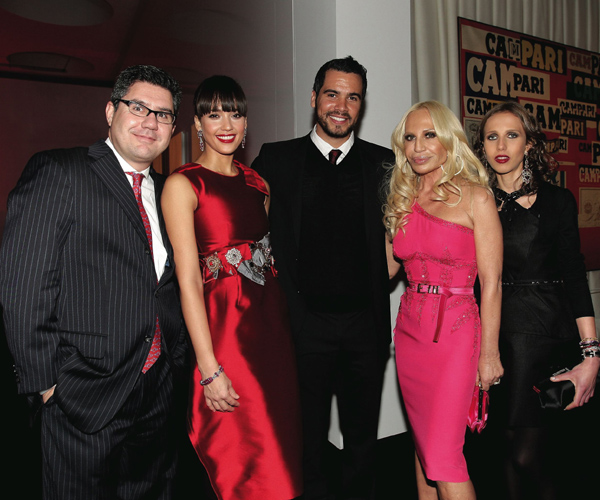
[{"x": 547, "y": 314}]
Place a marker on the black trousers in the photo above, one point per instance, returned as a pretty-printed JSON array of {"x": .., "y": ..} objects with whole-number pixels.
[
  {"x": 339, "y": 354},
  {"x": 132, "y": 458}
]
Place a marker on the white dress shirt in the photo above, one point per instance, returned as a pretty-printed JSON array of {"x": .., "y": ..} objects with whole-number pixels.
[
  {"x": 324, "y": 147},
  {"x": 149, "y": 201}
]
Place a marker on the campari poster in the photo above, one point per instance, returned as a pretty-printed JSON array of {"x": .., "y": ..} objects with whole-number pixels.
[{"x": 560, "y": 85}]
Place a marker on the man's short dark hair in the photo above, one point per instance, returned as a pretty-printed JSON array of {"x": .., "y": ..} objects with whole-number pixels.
[
  {"x": 346, "y": 65},
  {"x": 148, "y": 74}
]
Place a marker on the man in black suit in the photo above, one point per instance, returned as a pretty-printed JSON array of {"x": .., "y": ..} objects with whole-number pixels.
[
  {"x": 329, "y": 247},
  {"x": 91, "y": 310}
]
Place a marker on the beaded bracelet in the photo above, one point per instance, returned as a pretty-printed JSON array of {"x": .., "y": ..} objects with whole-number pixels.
[{"x": 208, "y": 380}]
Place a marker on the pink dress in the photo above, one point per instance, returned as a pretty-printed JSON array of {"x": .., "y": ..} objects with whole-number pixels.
[{"x": 437, "y": 339}]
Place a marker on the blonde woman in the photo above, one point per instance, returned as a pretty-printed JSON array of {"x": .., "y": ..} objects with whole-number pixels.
[{"x": 444, "y": 227}]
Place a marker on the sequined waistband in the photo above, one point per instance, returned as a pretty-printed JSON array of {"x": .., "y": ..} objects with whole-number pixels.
[{"x": 251, "y": 260}]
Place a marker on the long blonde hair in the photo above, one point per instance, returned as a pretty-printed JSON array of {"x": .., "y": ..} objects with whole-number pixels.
[{"x": 462, "y": 166}]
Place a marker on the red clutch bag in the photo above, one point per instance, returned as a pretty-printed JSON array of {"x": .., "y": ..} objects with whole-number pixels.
[{"x": 478, "y": 411}]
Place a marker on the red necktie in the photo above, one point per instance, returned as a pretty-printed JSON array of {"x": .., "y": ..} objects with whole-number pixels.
[
  {"x": 137, "y": 190},
  {"x": 334, "y": 155}
]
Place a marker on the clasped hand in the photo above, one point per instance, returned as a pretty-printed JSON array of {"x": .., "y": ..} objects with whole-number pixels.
[
  {"x": 490, "y": 372},
  {"x": 220, "y": 394}
]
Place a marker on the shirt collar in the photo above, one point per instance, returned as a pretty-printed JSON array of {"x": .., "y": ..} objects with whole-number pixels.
[
  {"x": 324, "y": 147},
  {"x": 124, "y": 165}
]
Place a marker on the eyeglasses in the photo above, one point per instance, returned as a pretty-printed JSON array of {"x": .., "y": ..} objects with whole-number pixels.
[{"x": 140, "y": 110}]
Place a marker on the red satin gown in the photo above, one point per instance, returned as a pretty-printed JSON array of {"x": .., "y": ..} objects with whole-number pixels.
[
  {"x": 254, "y": 452},
  {"x": 437, "y": 379}
]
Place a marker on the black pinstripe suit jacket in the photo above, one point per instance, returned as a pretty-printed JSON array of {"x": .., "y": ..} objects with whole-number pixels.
[{"x": 78, "y": 284}]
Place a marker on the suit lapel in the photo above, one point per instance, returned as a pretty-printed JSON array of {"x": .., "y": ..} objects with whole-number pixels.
[
  {"x": 297, "y": 169},
  {"x": 106, "y": 166},
  {"x": 159, "y": 183},
  {"x": 370, "y": 187}
]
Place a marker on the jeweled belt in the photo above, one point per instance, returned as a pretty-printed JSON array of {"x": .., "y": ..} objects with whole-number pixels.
[
  {"x": 444, "y": 292},
  {"x": 251, "y": 260}
]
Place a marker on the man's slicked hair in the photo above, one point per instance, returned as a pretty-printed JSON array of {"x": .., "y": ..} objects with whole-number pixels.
[
  {"x": 346, "y": 65},
  {"x": 147, "y": 74}
]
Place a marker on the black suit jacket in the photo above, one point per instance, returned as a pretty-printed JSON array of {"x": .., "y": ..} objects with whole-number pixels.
[
  {"x": 282, "y": 165},
  {"x": 78, "y": 284}
]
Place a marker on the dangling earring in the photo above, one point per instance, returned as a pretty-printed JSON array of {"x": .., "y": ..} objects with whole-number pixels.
[
  {"x": 526, "y": 175},
  {"x": 442, "y": 165},
  {"x": 462, "y": 165},
  {"x": 244, "y": 138},
  {"x": 201, "y": 140}
]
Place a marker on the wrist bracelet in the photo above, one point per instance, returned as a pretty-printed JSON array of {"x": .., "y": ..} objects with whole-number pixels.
[
  {"x": 208, "y": 380},
  {"x": 590, "y": 353}
]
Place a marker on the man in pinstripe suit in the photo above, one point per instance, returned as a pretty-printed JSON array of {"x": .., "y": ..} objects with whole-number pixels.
[{"x": 88, "y": 288}]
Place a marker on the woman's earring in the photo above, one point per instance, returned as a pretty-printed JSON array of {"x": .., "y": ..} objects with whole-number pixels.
[
  {"x": 526, "y": 175},
  {"x": 244, "y": 138},
  {"x": 201, "y": 140},
  {"x": 462, "y": 164}
]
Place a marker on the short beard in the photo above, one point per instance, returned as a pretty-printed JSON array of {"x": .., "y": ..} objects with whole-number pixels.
[{"x": 332, "y": 132}]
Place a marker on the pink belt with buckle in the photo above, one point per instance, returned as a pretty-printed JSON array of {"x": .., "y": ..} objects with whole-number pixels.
[{"x": 444, "y": 292}]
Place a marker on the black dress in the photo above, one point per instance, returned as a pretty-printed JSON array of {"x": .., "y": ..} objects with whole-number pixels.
[{"x": 544, "y": 290}]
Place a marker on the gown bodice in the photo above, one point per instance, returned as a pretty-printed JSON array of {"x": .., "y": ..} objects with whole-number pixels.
[
  {"x": 427, "y": 254},
  {"x": 230, "y": 209}
]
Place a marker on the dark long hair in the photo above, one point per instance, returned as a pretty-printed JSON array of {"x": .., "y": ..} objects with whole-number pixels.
[
  {"x": 223, "y": 90},
  {"x": 540, "y": 161}
]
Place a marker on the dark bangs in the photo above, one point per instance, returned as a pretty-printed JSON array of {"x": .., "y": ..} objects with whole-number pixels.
[{"x": 220, "y": 90}]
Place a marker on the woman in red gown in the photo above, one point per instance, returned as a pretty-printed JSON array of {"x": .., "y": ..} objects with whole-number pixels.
[{"x": 243, "y": 419}]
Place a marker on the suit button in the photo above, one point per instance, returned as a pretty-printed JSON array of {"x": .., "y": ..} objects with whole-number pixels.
[
  {"x": 147, "y": 251},
  {"x": 148, "y": 340}
]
